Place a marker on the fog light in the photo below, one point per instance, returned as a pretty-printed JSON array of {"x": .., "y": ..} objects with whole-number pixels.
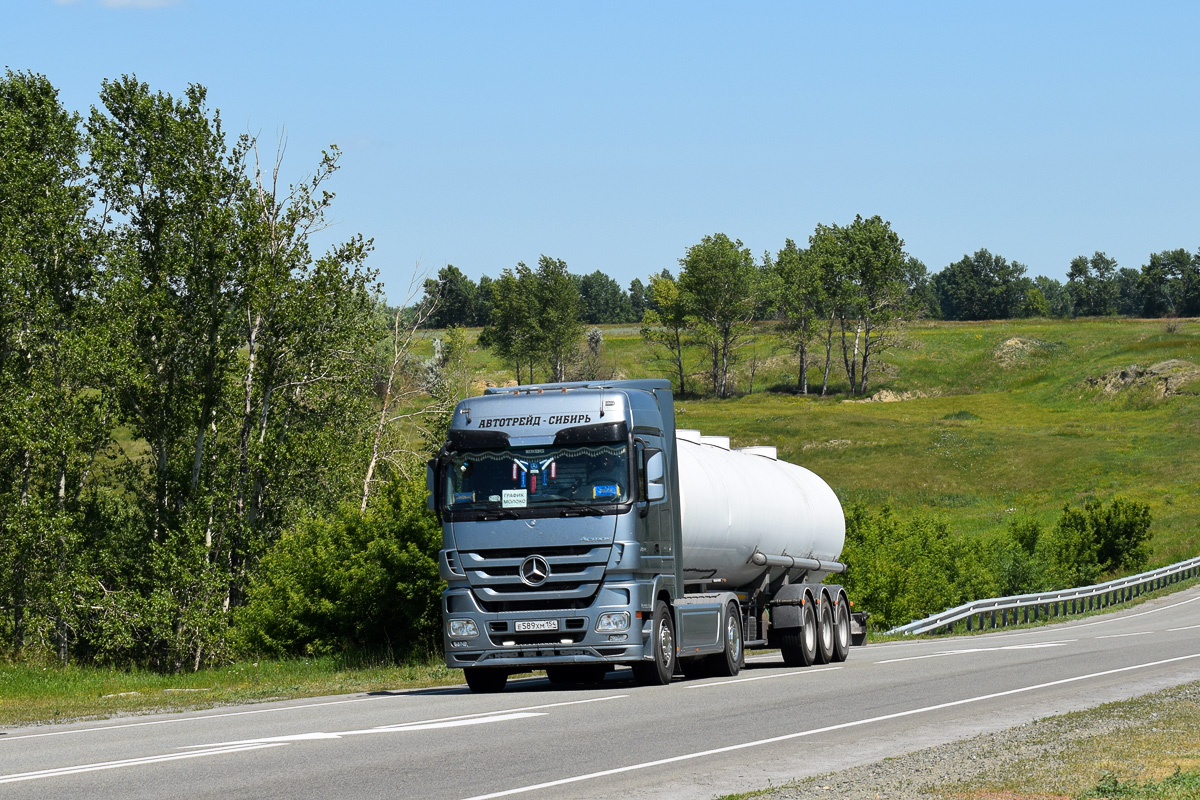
[
  {"x": 612, "y": 621},
  {"x": 612, "y": 637},
  {"x": 463, "y": 627},
  {"x": 460, "y": 644}
]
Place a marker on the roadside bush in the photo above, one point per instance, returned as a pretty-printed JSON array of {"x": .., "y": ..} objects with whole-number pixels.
[
  {"x": 1096, "y": 540},
  {"x": 904, "y": 569},
  {"x": 358, "y": 582}
]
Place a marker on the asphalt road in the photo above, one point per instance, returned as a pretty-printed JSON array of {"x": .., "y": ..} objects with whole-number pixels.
[{"x": 693, "y": 739}]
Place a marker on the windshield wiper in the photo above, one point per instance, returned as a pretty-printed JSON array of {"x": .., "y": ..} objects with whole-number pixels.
[
  {"x": 579, "y": 508},
  {"x": 504, "y": 513}
]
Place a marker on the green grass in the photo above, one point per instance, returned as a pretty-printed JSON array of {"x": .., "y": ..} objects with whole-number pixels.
[
  {"x": 991, "y": 438},
  {"x": 998, "y": 431},
  {"x": 35, "y": 694}
]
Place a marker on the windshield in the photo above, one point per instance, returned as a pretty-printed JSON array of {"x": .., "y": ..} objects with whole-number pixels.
[{"x": 523, "y": 477}]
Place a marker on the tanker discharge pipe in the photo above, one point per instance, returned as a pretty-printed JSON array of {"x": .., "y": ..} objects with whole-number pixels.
[{"x": 764, "y": 560}]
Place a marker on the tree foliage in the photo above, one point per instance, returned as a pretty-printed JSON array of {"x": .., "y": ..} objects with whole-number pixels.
[
  {"x": 982, "y": 286},
  {"x": 159, "y": 285},
  {"x": 719, "y": 282}
]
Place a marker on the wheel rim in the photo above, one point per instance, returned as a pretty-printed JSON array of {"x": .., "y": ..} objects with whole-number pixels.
[
  {"x": 843, "y": 627},
  {"x": 826, "y": 625},
  {"x": 733, "y": 641},
  {"x": 810, "y": 635},
  {"x": 666, "y": 643}
]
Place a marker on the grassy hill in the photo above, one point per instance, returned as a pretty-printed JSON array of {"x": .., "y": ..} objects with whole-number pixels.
[{"x": 1002, "y": 418}]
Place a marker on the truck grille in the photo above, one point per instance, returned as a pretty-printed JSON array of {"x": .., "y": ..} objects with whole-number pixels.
[{"x": 575, "y": 574}]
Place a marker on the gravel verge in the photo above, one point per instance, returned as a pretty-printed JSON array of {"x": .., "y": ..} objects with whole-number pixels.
[{"x": 1144, "y": 738}]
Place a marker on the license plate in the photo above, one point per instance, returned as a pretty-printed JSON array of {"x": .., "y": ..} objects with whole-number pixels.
[{"x": 527, "y": 625}]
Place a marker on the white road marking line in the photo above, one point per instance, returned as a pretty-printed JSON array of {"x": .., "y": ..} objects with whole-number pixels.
[
  {"x": 177, "y": 720},
  {"x": 1188, "y": 628},
  {"x": 1131, "y": 616},
  {"x": 762, "y": 677},
  {"x": 129, "y": 762},
  {"x": 291, "y": 708},
  {"x": 815, "y": 731},
  {"x": 967, "y": 651},
  {"x": 1123, "y": 635},
  {"x": 412, "y": 726}
]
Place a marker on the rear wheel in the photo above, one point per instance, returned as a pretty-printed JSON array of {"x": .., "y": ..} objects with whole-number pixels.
[
  {"x": 485, "y": 681},
  {"x": 662, "y": 642},
  {"x": 799, "y": 645},
  {"x": 730, "y": 662},
  {"x": 841, "y": 629},
  {"x": 825, "y": 633}
]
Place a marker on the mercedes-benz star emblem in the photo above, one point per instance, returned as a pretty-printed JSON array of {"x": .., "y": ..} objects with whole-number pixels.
[{"x": 534, "y": 571}]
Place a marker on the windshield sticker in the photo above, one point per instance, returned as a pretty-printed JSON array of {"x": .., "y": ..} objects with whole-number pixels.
[
  {"x": 607, "y": 490},
  {"x": 464, "y": 497},
  {"x": 515, "y": 498}
]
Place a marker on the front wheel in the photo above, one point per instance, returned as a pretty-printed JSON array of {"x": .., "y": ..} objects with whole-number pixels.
[
  {"x": 485, "y": 681},
  {"x": 662, "y": 641}
]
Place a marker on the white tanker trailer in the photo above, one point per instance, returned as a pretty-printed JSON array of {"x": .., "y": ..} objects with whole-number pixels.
[{"x": 582, "y": 531}]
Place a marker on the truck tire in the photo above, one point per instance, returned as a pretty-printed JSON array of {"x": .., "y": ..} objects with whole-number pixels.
[
  {"x": 485, "y": 681},
  {"x": 841, "y": 629},
  {"x": 825, "y": 632},
  {"x": 799, "y": 645},
  {"x": 662, "y": 642},
  {"x": 730, "y": 662}
]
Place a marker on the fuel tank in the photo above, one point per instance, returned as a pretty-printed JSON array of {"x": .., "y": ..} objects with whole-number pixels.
[{"x": 734, "y": 503}]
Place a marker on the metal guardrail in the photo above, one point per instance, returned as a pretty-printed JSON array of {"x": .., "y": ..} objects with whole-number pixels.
[{"x": 1053, "y": 604}]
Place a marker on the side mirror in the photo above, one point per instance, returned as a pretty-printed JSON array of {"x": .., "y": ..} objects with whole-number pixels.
[
  {"x": 655, "y": 466},
  {"x": 655, "y": 472}
]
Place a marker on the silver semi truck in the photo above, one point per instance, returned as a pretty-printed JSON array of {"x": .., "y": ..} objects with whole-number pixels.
[{"x": 582, "y": 531}]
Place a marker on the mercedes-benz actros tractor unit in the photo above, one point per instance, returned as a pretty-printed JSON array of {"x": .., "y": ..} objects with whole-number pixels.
[{"x": 582, "y": 531}]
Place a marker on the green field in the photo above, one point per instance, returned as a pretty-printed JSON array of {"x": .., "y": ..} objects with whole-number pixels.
[{"x": 990, "y": 430}]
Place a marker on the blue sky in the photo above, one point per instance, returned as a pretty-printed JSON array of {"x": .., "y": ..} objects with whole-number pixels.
[{"x": 614, "y": 135}]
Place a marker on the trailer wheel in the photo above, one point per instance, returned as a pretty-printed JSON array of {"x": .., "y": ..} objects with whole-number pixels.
[
  {"x": 825, "y": 632},
  {"x": 730, "y": 662},
  {"x": 662, "y": 642},
  {"x": 485, "y": 681},
  {"x": 799, "y": 645},
  {"x": 841, "y": 629}
]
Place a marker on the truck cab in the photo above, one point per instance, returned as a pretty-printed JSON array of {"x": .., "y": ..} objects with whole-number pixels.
[{"x": 559, "y": 528}]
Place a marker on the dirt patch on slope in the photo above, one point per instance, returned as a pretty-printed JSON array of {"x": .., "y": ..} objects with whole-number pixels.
[
  {"x": 1165, "y": 377},
  {"x": 1019, "y": 349},
  {"x": 888, "y": 396}
]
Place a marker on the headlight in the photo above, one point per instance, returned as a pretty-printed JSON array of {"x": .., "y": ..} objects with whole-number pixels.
[
  {"x": 613, "y": 621},
  {"x": 463, "y": 627}
]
